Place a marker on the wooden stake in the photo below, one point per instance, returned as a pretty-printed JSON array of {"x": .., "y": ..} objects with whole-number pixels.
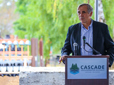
[
  {"x": 16, "y": 52},
  {"x": 9, "y": 52},
  {"x": 28, "y": 50},
  {"x": 22, "y": 51},
  {"x": 3, "y": 52}
]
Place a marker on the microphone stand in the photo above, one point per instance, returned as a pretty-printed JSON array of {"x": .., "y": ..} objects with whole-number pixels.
[{"x": 93, "y": 49}]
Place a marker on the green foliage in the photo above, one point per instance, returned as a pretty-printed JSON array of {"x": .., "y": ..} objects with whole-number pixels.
[
  {"x": 47, "y": 19},
  {"x": 108, "y": 9}
]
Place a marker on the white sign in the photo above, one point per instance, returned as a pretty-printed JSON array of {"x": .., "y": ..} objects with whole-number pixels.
[{"x": 86, "y": 68}]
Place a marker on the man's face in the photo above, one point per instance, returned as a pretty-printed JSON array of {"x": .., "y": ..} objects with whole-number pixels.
[{"x": 83, "y": 14}]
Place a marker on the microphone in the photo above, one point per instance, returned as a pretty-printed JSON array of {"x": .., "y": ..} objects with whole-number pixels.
[{"x": 75, "y": 48}]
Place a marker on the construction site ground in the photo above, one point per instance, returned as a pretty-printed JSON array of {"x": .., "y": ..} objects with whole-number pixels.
[{"x": 6, "y": 80}]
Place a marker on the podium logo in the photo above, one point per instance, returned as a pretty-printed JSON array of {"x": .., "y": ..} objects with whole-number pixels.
[{"x": 74, "y": 69}]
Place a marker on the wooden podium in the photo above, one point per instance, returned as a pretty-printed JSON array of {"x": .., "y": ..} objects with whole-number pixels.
[{"x": 87, "y": 70}]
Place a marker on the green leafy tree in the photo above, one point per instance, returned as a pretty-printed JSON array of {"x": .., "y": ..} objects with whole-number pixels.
[
  {"x": 47, "y": 19},
  {"x": 108, "y": 9}
]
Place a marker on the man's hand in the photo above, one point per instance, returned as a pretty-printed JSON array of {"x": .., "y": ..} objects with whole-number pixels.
[{"x": 62, "y": 58}]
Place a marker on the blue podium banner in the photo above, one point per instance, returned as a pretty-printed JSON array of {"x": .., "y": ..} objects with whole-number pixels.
[{"x": 86, "y": 68}]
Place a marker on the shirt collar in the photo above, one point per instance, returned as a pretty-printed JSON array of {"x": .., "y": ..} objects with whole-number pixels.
[{"x": 90, "y": 26}]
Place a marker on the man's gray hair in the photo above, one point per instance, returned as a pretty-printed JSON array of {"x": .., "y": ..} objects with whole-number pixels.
[{"x": 89, "y": 7}]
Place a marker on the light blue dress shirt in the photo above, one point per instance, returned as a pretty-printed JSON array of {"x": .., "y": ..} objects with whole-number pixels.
[{"x": 88, "y": 33}]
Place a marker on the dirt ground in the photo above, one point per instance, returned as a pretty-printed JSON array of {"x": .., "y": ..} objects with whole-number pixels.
[{"x": 6, "y": 80}]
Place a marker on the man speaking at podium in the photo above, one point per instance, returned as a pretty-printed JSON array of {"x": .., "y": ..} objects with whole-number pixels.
[{"x": 88, "y": 37}]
